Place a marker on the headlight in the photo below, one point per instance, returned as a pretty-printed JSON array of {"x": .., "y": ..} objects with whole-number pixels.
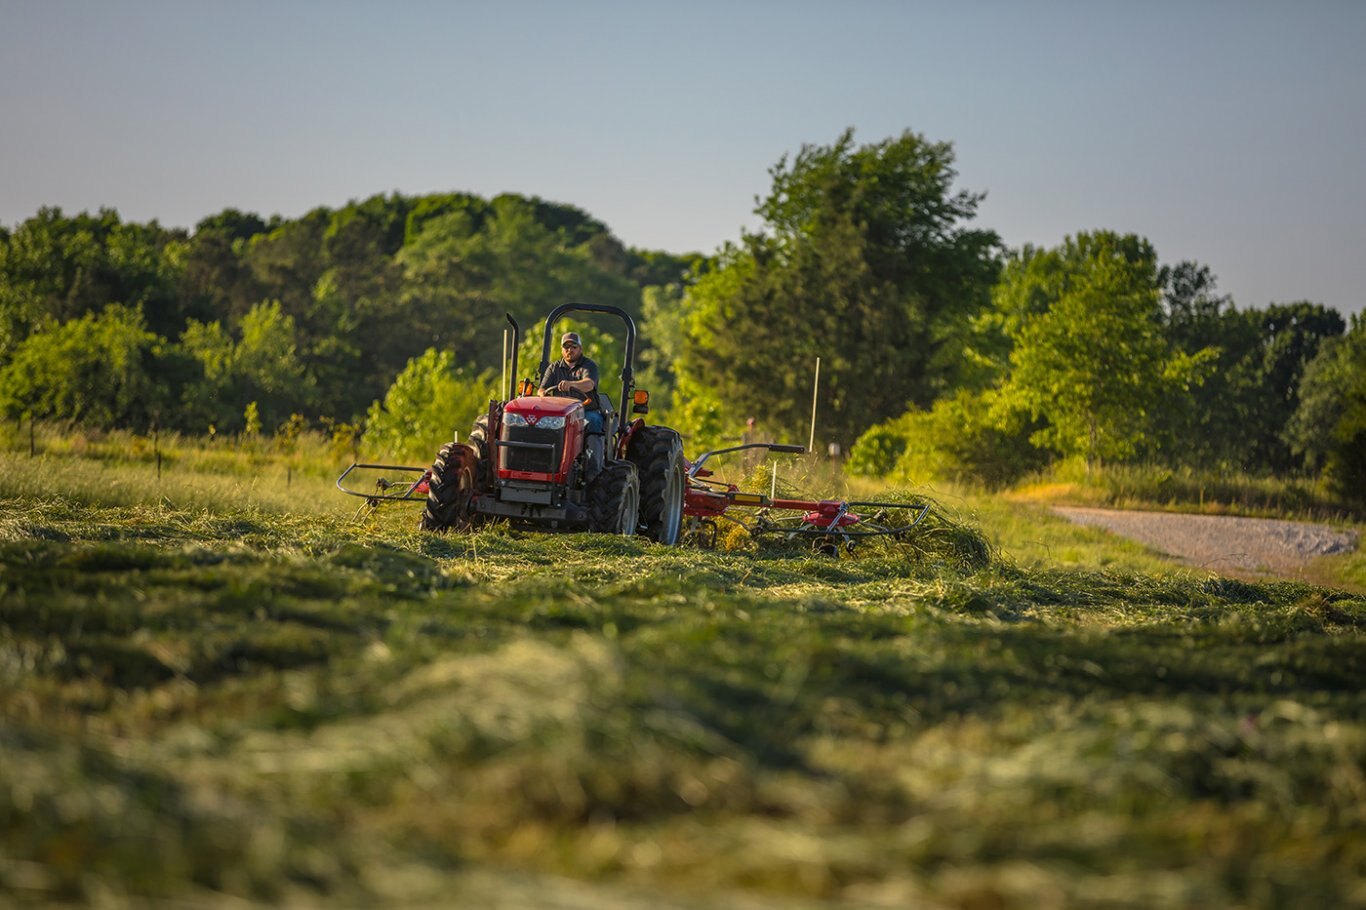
[{"x": 544, "y": 423}]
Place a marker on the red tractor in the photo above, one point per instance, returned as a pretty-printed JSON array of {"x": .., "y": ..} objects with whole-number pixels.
[{"x": 532, "y": 460}]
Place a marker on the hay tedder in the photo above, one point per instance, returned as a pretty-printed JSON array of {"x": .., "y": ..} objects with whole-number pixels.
[{"x": 532, "y": 460}]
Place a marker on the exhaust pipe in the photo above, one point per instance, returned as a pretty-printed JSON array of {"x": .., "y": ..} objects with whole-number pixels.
[{"x": 516, "y": 338}]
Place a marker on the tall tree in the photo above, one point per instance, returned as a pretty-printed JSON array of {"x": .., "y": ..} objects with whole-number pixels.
[
  {"x": 1328, "y": 430},
  {"x": 1094, "y": 364},
  {"x": 55, "y": 268},
  {"x": 1218, "y": 423},
  {"x": 1290, "y": 336},
  {"x": 217, "y": 283},
  {"x": 865, "y": 261}
]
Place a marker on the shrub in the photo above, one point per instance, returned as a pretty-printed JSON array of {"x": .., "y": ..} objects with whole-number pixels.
[
  {"x": 428, "y": 403},
  {"x": 98, "y": 370},
  {"x": 974, "y": 437}
]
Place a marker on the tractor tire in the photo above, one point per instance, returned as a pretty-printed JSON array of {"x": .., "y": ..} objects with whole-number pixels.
[
  {"x": 479, "y": 441},
  {"x": 614, "y": 500},
  {"x": 449, "y": 490},
  {"x": 657, "y": 453}
]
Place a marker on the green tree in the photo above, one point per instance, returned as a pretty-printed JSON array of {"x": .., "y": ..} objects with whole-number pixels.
[
  {"x": 362, "y": 288},
  {"x": 1095, "y": 365},
  {"x": 462, "y": 270},
  {"x": 428, "y": 403},
  {"x": 1289, "y": 338},
  {"x": 1033, "y": 279},
  {"x": 1238, "y": 418},
  {"x": 662, "y": 325},
  {"x": 1328, "y": 430},
  {"x": 97, "y": 370},
  {"x": 217, "y": 283},
  {"x": 55, "y": 268},
  {"x": 261, "y": 367},
  {"x": 864, "y": 261},
  {"x": 1216, "y": 423}
]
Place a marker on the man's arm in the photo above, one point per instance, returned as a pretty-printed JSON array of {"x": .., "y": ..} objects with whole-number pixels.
[
  {"x": 576, "y": 385},
  {"x": 566, "y": 385}
]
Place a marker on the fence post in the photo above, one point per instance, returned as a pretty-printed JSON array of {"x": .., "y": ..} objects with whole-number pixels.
[{"x": 815, "y": 388}]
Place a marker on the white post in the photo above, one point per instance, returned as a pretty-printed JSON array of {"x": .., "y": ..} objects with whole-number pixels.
[{"x": 815, "y": 387}]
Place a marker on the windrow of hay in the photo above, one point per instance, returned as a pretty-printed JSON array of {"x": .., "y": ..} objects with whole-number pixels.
[{"x": 248, "y": 706}]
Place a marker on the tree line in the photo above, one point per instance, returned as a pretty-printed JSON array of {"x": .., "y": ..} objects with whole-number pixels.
[
  {"x": 117, "y": 324},
  {"x": 943, "y": 353}
]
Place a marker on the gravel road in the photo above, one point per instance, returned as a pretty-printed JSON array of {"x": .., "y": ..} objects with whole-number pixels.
[{"x": 1222, "y": 542}]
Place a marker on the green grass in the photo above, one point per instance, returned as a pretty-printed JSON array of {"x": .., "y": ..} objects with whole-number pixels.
[
  {"x": 1214, "y": 491},
  {"x": 241, "y": 696}
]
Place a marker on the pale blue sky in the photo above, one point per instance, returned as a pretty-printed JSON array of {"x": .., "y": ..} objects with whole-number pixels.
[{"x": 1231, "y": 133}]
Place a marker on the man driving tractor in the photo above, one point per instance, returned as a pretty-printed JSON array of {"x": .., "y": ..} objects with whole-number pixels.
[{"x": 576, "y": 376}]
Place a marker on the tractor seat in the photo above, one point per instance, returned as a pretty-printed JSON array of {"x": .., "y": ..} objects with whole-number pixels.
[{"x": 605, "y": 405}]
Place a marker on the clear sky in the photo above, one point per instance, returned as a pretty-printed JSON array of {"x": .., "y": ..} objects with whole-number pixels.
[{"x": 1231, "y": 133}]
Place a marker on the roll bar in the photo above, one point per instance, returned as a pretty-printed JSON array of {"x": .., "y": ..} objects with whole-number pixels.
[{"x": 628, "y": 376}]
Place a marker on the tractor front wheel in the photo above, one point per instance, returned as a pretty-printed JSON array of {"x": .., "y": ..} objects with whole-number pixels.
[
  {"x": 450, "y": 489},
  {"x": 657, "y": 453},
  {"x": 479, "y": 441},
  {"x": 614, "y": 500}
]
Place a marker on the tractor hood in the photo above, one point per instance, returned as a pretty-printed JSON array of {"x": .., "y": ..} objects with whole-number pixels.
[{"x": 533, "y": 407}]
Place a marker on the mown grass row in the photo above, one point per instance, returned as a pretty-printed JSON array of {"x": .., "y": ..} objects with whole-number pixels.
[
  {"x": 219, "y": 696},
  {"x": 258, "y": 624}
]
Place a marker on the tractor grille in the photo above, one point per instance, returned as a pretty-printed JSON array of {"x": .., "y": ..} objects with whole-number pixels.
[{"x": 541, "y": 461}]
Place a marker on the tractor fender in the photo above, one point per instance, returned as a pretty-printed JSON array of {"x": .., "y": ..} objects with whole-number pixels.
[{"x": 625, "y": 442}]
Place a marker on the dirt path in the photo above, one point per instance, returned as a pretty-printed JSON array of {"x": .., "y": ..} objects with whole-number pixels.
[{"x": 1222, "y": 542}]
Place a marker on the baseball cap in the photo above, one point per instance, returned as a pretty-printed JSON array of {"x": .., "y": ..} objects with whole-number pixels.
[{"x": 570, "y": 338}]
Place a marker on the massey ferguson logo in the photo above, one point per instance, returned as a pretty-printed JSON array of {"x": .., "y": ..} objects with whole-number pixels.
[{"x": 532, "y": 419}]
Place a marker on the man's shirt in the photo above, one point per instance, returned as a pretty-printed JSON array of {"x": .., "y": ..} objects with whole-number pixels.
[{"x": 583, "y": 368}]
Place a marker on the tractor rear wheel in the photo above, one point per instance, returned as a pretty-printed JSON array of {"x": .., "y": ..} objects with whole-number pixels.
[
  {"x": 449, "y": 489},
  {"x": 614, "y": 500},
  {"x": 657, "y": 453}
]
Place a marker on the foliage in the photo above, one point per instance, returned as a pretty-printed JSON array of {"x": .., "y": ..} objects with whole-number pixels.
[
  {"x": 1088, "y": 356},
  {"x": 55, "y": 268},
  {"x": 865, "y": 262},
  {"x": 429, "y": 402},
  {"x": 96, "y": 369},
  {"x": 1239, "y": 416},
  {"x": 970, "y": 437},
  {"x": 349, "y": 295},
  {"x": 262, "y": 367},
  {"x": 1196, "y": 383},
  {"x": 467, "y": 278},
  {"x": 866, "y": 259},
  {"x": 663, "y": 321},
  {"x": 1329, "y": 428}
]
